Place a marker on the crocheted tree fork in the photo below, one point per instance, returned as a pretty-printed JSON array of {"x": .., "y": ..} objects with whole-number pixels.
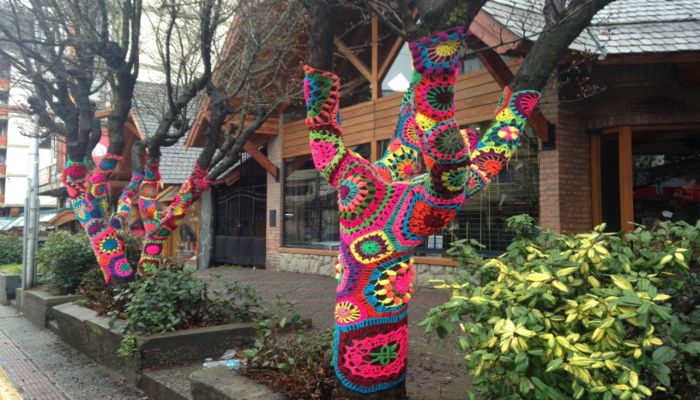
[
  {"x": 159, "y": 225},
  {"x": 88, "y": 190},
  {"x": 387, "y": 209}
]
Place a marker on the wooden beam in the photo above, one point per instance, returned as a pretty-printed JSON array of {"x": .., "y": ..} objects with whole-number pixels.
[
  {"x": 596, "y": 206},
  {"x": 374, "y": 81},
  {"x": 626, "y": 176},
  {"x": 503, "y": 76},
  {"x": 373, "y": 151},
  {"x": 262, "y": 159},
  {"x": 345, "y": 50},
  {"x": 104, "y": 113},
  {"x": 390, "y": 57}
]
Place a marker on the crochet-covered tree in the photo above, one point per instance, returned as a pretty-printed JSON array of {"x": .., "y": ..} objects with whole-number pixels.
[
  {"x": 88, "y": 189},
  {"x": 388, "y": 208},
  {"x": 159, "y": 225}
]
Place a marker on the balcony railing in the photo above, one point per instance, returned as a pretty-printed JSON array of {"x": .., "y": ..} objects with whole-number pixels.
[{"x": 49, "y": 175}]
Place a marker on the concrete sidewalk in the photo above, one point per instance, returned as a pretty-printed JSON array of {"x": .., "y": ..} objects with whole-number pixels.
[
  {"x": 433, "y": 367},
  {"x": 42, "y": 367}
]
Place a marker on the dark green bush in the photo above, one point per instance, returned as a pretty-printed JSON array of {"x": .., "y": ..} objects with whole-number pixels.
[
  {"x": 63, "y": 260},
  {"x": 10, "y": 249},
  {"x": 100, "y": 297},
  {"x": 174, "y": 299},
  {"x": 594, "y": 316}
]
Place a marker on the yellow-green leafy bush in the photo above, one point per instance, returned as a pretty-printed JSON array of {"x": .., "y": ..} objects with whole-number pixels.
[{"x": 591, "y": 316}]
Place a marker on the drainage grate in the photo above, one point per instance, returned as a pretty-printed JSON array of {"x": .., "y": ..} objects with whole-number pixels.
[{"x": 32, "y": 380}]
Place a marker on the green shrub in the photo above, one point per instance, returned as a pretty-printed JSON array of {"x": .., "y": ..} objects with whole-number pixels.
[
  {"x": 174, "y": 299},
  {"x": 594, "y": 316},
  {"x": 11, "y": 269},
  {"x": 10, "y": 249},
  {"x": 100, "y": 297},
  {"x": 63, "y": 260},
  {"x": 297, "y": 364}
]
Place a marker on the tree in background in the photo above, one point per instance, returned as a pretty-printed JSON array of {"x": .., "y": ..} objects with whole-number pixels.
[
  {"x": 428, "y": 170},
  {"x": 72, "y": 51}
]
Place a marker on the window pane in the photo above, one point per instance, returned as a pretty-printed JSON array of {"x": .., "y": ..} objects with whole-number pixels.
[
  {"x": 310, "y": 204},
  {"x": 483, "y": 217},
  {"x": 666, "y": 176}
]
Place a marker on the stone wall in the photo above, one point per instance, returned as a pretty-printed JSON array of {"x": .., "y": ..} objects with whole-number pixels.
[{"x": 325, "y": 265}]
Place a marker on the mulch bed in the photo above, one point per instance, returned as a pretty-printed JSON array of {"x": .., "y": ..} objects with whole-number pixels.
[{"x": 301, "y": 383}]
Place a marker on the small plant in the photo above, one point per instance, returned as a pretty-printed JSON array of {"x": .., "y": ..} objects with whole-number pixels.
[
  {"x": 63, "y": 260},
  {"x": 594, "y": 316},
  {"x": 174, "y": 299},
  {"x": 100, "y": 297},
  {"x": 296, "y": 364},
  {"x": 10, "y": 249}
]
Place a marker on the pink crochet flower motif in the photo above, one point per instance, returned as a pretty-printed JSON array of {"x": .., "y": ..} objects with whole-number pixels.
[{"x": 377, "y": 356}]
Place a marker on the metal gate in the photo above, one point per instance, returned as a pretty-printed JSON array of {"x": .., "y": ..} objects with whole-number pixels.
[{"x": 239, "y": 225}]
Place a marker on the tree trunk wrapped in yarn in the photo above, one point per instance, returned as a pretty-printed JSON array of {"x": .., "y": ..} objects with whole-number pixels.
[
  {"x": 88, "y": 190},
  {"x": 159, "y": 225},
  {"x": 388, "y": 208}
]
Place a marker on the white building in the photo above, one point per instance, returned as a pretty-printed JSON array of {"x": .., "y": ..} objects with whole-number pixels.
[{"x": 15, "y": 145}]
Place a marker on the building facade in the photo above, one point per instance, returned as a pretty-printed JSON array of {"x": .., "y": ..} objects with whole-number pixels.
[
  {"x": 15, "y": 141},
  {"x": 619, "y": 141}
]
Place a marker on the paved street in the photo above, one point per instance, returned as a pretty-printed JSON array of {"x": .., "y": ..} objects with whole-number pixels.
[{"x": 41, "y": 367}]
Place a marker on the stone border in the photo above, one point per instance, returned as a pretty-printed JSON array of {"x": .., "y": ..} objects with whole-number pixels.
[
  {"x": 220, "y": 383},
  {"x": 8, "y": 285},
  {"x": 81, "y": 328},
  {"x": 324, "y": 265},
  {"x": 36, "y": 305}
]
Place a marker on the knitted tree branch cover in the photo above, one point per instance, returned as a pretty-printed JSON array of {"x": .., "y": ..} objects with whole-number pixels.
[
  {"x": 160, "y": 225},
  {"x": 120, "y": 218},
  {"x": 90, "y": 203},
  {"x": 387, "y": 209}
]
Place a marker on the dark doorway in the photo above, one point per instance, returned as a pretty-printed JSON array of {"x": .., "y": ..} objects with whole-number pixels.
[{"x": 239, "y": 224}]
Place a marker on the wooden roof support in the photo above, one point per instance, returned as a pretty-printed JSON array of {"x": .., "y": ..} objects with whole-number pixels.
[
  {"x": 374, "y": 80},
  {"x": 390, "y": 57},
  {"x": 503, "y": 75},
  {"x": 262, "y": 159},
  {"x": 347, "y": 52}
]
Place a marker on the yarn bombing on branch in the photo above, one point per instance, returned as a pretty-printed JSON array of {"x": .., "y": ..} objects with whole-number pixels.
[
  {"x": 89, "y": 197},
  {"x": 160, "y": 225},
  {"x": 388, "y": 208}
]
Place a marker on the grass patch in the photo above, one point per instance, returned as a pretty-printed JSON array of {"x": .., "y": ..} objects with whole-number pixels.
[{"x": 11, "y": 269}]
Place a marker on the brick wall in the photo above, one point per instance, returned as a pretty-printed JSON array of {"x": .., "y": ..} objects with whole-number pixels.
[
  {"x": 565, "y": 178},
  {"x": 573, "y": 145},
  {"x": 273, "y": 235}
]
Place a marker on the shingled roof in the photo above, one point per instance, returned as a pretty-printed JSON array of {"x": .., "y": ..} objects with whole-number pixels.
[
  {"x": 622, "y": 27},
  {"x": 176, "y": 162}
]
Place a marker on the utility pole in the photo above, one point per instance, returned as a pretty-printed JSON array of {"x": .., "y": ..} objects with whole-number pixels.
[{"x": 31, "y": 213}]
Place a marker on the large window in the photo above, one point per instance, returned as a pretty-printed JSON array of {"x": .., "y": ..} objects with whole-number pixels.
[
  {"x": 483, "y": 217},
  {"x": 311, "y": 214},
  {"x": 310, "y": 205},
  {"x": 648, "y": 176}
]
